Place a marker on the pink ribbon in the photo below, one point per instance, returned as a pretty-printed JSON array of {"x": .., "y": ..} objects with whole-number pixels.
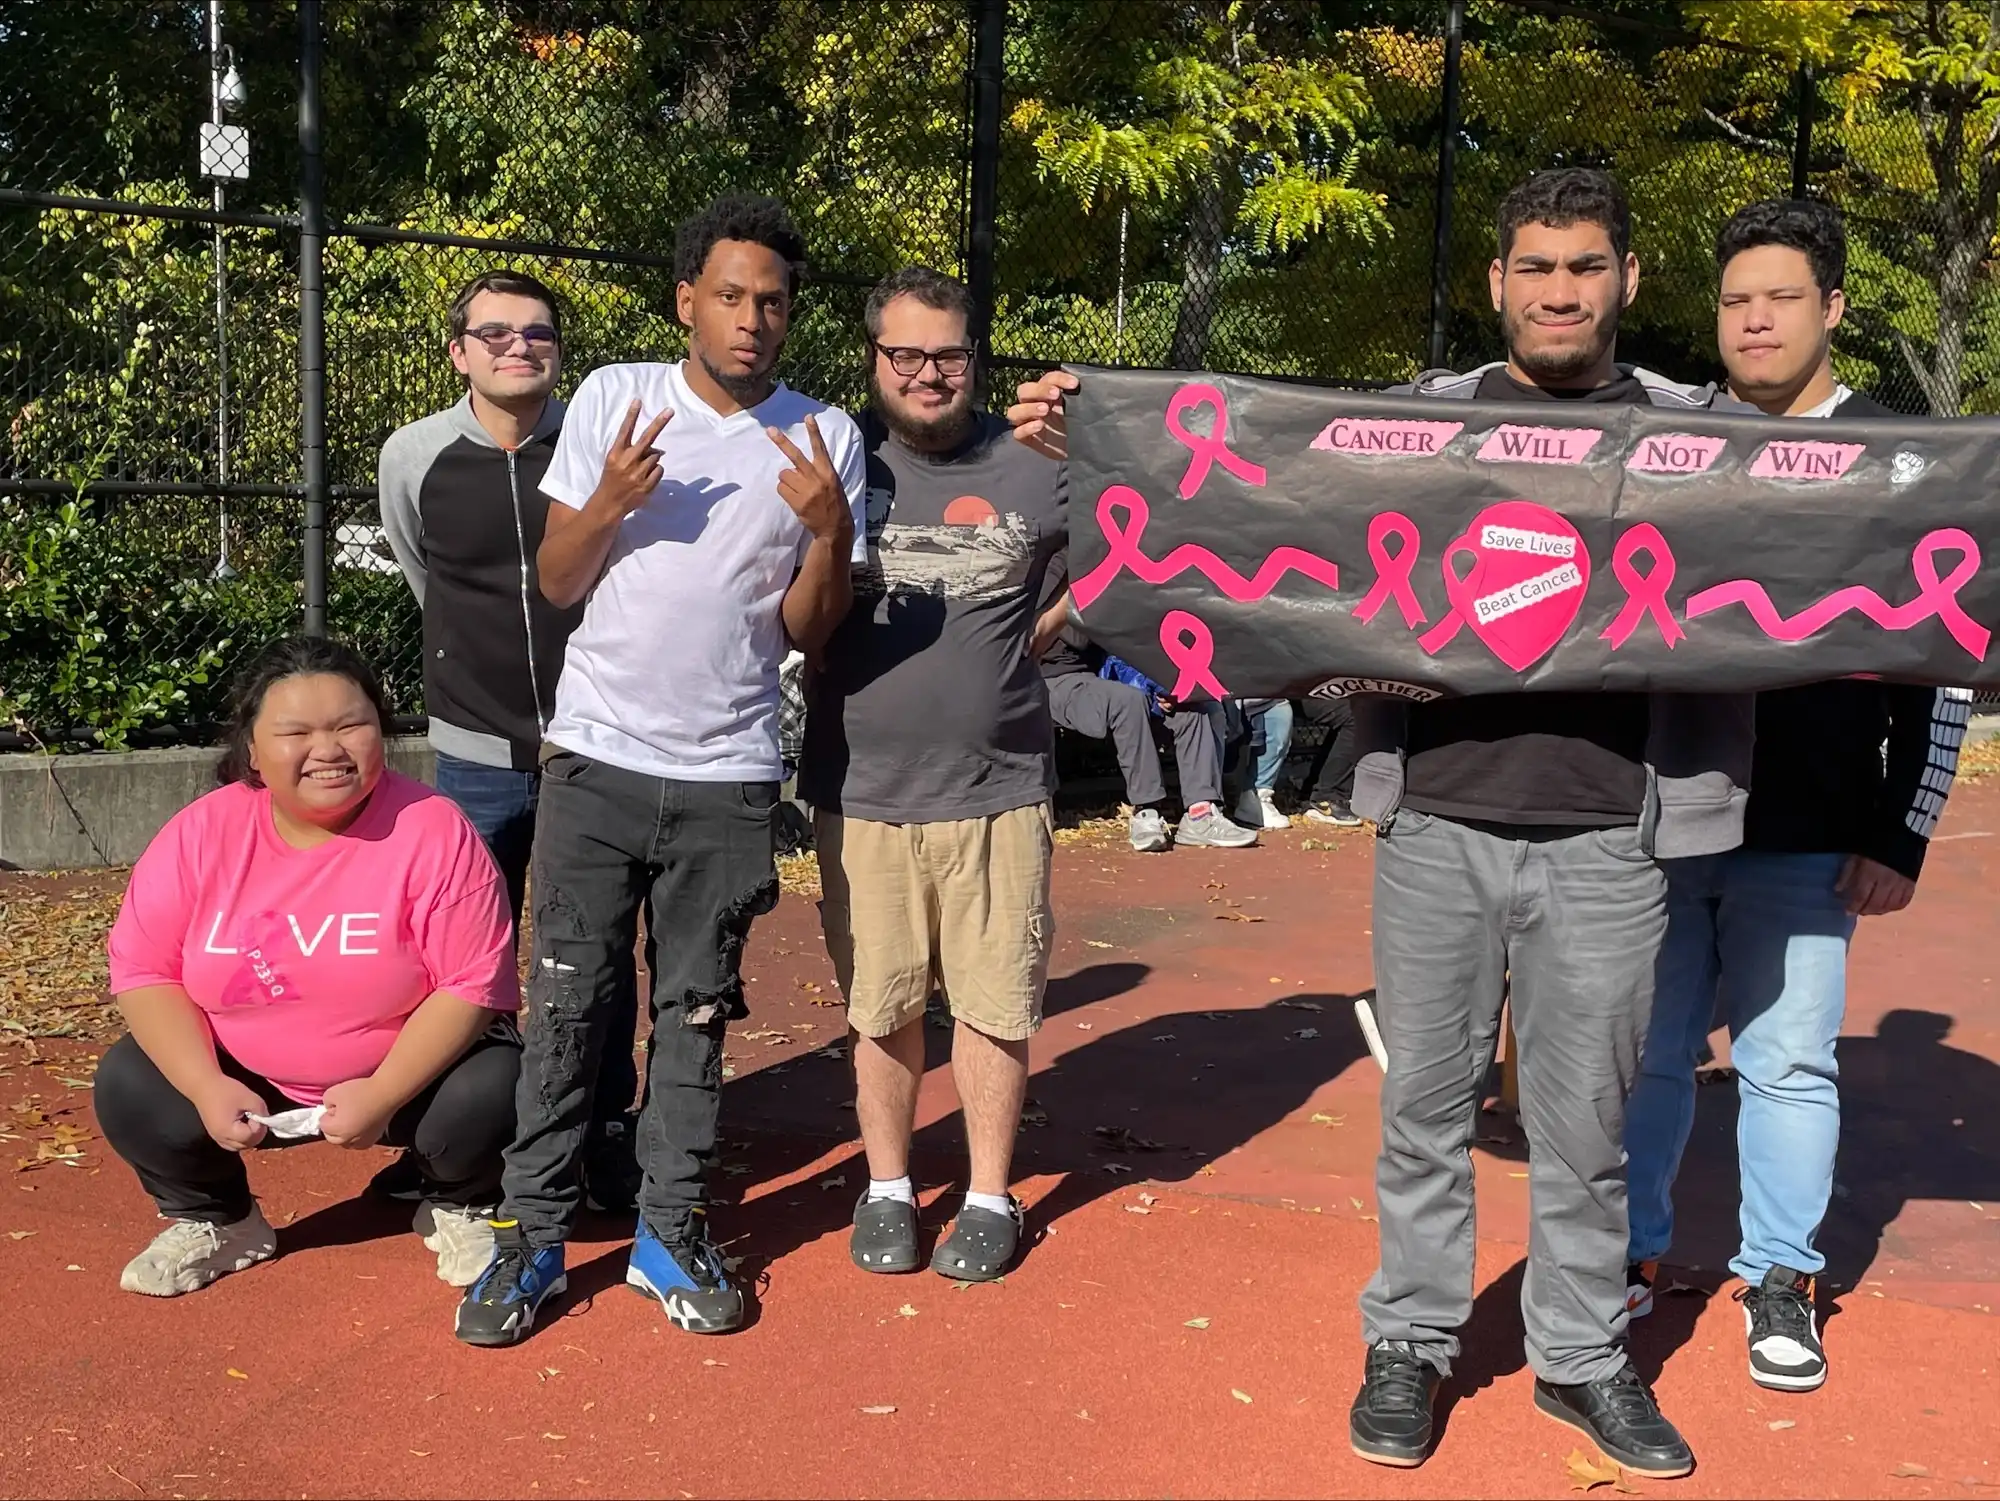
[
  {"x": 1125, "y": 556},
  {"x": 1190, "y": 647},
  {"x": 1207, "y": 449},
  {"x": 1935, "y": 596},
  {"x": 1392, "y": 569},
  {"x": 1645, "y": 593},
  {"x": 1439, "y": 636}
]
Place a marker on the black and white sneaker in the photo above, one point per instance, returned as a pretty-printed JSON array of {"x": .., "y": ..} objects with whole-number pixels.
[
  {"x": 1783, "y": 1326},
  {"x": 1639, "y": 1279}
]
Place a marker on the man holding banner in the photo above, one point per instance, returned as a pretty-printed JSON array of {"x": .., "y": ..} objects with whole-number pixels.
[
  {"x": 1835, "y": 830},
  {"x": 1520, "y": 838}
]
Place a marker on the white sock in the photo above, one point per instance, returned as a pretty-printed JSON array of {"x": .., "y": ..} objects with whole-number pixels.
[
  {"x": 997, "y": 1203},
  {"x": 898, "y": 1189}
]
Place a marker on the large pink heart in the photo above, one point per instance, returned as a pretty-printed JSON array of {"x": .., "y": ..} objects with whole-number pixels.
[{"x": 1526, "y": 583}]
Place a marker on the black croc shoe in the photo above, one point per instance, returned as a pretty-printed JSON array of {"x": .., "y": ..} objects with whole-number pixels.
[
  {"x": 982, "y": 1244},
  {"x": 885, "y": 1236}
]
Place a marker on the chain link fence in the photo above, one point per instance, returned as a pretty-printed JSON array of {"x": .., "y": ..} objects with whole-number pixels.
[{"x": 1272, "y": 187}]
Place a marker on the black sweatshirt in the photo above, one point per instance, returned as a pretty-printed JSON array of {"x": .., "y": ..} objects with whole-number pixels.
[{"x": 1854, "y": 767}]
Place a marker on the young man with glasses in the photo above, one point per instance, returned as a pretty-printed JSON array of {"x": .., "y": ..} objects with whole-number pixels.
[
  {"x": 929, "y": 764},
  {"x": 705, "y": 518},
  {"x": 463, "y": 510}
]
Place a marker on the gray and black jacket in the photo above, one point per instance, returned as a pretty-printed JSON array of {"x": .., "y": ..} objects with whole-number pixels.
[
  {"x": 465, "y": 519},
  {"x": 1699, "y": 746}
]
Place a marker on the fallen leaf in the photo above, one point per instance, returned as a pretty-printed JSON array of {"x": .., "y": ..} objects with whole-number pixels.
[
  {"x": 1306, "y": 1034},
  {"x": 1236, "y": 917},
  {"x": 1195, "y": 1324},
  {"x": 19, "y": 1234},
  {"x": 1032, "y": 1114},
  {"x": 1137, "y": 1209},
  {"x": 1908, "y": 1471},
  {"x": 906, "y": 1312},
  {"x": 838, "y": 1180},
  {"x": 1322, "y": 1119},
  {"x": 1083, "y": 1027},
  {"x": 881, "y": 1411},
  {"x": 1163, "y": 1037},
  {"x": 1149, "y": 1199},
  {"x": 557, "y": 1436},
  {"x": 1239, "y": 1395},
  {"x": 238, "y": 1375},
  {"x": 1123, "y": 1139},
  {"x": 1096, "y": 943},
  {"x": 1781, "y": 1425},
  {"x": 1588, "y": 1471},
  {"x": 1354, "y": 1201}
]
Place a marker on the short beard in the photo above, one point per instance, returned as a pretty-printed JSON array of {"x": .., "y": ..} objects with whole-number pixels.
[
  {"x": 1548, "y": 367},
  {"x": 939, "y": 434},
  {"x": 747, "y": 390}
]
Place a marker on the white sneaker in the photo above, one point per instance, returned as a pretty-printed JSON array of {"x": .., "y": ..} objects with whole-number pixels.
[
  {"x": 1257, "y": 808},
  {"x": 462, "y": 1239},
  {"x": 1147, "y": 831},
  {"x": 189, "y": 1254}
]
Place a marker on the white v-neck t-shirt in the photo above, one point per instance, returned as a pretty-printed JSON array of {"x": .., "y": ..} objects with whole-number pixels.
[{"x": 673, "y": 671}]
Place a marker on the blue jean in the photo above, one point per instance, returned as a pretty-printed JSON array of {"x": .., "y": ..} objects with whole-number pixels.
[
  {"x": 1276, "y": 725},
  {"x": 1757, "y": 942},
  {"x": 502, "y": 804}
]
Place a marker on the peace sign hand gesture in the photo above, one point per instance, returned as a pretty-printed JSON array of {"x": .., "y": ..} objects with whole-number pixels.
[
  {"x": 811, "y": 487},
  {"x": 632, "y": 467}
]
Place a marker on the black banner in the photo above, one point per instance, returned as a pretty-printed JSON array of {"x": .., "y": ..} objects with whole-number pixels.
[{"x": 1235, "y": 537}]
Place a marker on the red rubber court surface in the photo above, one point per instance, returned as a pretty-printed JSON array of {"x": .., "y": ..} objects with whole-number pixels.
[{"x": 1199, "y": 1160}]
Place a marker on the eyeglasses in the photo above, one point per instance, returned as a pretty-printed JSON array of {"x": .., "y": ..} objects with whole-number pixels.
[
  {"x": 908, "y": 361},
  {"x": 499, "y": 337}
]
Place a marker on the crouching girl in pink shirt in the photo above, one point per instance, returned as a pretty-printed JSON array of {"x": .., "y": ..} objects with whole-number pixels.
[{"x": 319, "y": 940}]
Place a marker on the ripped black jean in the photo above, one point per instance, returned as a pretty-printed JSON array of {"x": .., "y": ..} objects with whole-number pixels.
[{"x": 698, "y": 857}]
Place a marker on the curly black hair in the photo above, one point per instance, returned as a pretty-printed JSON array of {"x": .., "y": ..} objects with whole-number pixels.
[
  {"x": 1812, "y": 228},
  {"x": 739, "y": 216},
  {"x": 288, "y": 657},
  {"x": 1566, "y": 196}
]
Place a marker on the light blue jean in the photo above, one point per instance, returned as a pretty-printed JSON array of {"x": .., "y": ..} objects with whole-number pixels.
[
  {"x": 1757, "y": 942},
  {"x": 1276, "y": 720}
]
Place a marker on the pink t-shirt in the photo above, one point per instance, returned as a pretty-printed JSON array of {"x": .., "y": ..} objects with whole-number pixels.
[{"x": 308, "y": 962}]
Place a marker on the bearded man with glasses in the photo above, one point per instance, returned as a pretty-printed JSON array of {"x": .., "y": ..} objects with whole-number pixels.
[
  {"x": 929, "y": 764},
  {"x": 464, "y": 512}
]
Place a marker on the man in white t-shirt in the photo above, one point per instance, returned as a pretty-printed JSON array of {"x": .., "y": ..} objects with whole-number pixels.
[{"x": 708, "y": 517}]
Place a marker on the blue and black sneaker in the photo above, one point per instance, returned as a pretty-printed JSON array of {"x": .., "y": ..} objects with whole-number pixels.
[
  {"x": 500, "y": 1308},
  {"x": 687, "y": 1279}
]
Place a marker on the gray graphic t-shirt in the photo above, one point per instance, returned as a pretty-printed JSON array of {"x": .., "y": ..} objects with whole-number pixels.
[{"x": 928, "y": 706}]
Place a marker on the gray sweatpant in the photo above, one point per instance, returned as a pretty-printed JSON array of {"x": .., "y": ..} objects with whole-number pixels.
[
  {"x": 1099, "y": 707},
  {"x": 1569, "y": 927}
]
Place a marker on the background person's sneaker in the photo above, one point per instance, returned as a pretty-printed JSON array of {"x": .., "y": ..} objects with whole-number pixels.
[
  {"x": 189, "y": 1254},
  {"x": 1620, "y": 1415},
  {"x": 1392, "y": 1418},
  {"x": 1334, "y": 811},
  {"x": 500, "y": 1307},
  {"x": 1783, "y": 1329},
  {"x": 462, "y": 1240},
  {"x": 1639, "y": 1279},
  {"x": 1147, "y": 831},
  {"x": 1257, "y": 808},
  {"x": 1208, "y": 826},
  {"x": 687, "y": 1279},
  {"x": 611, "y": 1172}
]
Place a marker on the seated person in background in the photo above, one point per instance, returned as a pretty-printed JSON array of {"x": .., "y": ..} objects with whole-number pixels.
[
  {"x": 1329, "y": 779},
  {"x": 1090, "y": 705},
  {"x": 1270, "y": 721},
  {"x": 319, "y": 937}
]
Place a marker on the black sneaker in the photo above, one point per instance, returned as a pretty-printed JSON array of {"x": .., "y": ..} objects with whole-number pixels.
[
  {"x": 1334, "y": 811},
  {"x": 1620, "y": 1415},
  {"x": 982, "y": 1244},
  {"x": 611, "y": 1173},
  {"x": 885, "y": 1236},
  {"x": 401, "y": 1179},
  {"x": 500, "y": 1308},
  {"x": 1390, "y": 1422},
  {"x": 1783, "y": 1325}
]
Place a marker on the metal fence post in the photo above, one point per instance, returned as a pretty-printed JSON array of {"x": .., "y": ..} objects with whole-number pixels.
[
  {"x": 1454, "y": 43},
  {"x": 312, "y": 320},
  {"x": 989, "y": 42},
  {"x": 1802, "y": 140}
]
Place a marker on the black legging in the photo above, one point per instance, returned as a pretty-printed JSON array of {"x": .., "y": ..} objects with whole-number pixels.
[
  {"x": 1330, "y": 773},
  {"x": 456, "y": 1128}
]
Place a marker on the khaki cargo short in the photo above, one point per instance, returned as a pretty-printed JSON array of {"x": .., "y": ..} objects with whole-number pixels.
[{"x": 960, "y": 906}]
